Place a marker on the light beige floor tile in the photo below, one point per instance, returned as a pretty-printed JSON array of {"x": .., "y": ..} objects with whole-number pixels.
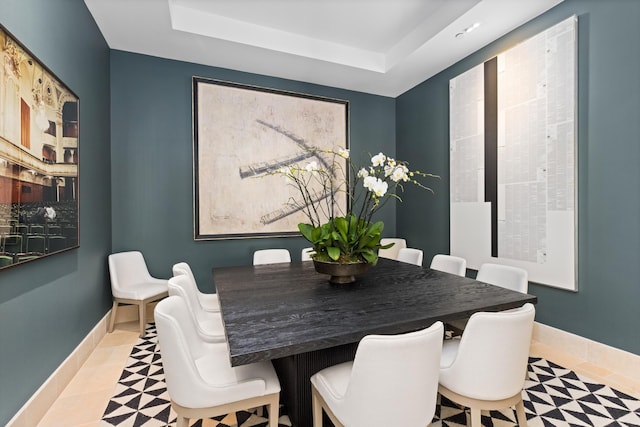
[
  {"x": 590, "y": 368},
  {"x": 101, "y": 356},
  {"x": 77, "y": 410},
  {"x": 132, "y": 326},
  {"x": 93, "y": 378},
  {"x": 117, "y": 338},
  {"x": 117, "y": 355},
  {"x": 625, "y": 384}
]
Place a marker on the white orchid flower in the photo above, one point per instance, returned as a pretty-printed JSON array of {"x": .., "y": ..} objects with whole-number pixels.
[
  {"x": 378, "y": 159},
  {"x": 376, "y": 186},
  {"x": 388, "y": 170},
  {"x": 400, "y": 173},
  {"x": 311, "y": 166},
  {"x": 363, "y": 173},
  {"x": 344, "y": 153},
  {"x": 380, "y": 188},
  {"x": 369, "y": 182}
]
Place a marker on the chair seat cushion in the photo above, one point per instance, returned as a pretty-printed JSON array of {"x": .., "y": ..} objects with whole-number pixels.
[
  {"x": 209, "y": 302},
  {"x": 332, "y": 384},
  {"x": 449, "y": 352},
  {"x": 210, "y": 325},
  {"x": 142, "y": 291},
  {"x": 239, "y": 382}
]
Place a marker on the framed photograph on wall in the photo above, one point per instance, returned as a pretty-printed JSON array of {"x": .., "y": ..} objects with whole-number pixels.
[
  {"x": 241, "y": 135},
  {"x": 38, "y": 158}
]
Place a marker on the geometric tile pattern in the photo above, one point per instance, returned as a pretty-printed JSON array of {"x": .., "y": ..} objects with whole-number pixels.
[{"x": 553, "y": 397}]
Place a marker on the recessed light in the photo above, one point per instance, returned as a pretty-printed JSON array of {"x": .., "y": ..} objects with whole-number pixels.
[
  {"x": 467, "y": 30},
  {"x": 471, "y": 28}
]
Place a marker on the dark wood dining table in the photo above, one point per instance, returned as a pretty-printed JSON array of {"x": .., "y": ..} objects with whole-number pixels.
[{"x": 290, "y": 314}]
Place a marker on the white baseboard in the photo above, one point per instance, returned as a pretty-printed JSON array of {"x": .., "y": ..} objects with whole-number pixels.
[{"x": 615, "y": 360}]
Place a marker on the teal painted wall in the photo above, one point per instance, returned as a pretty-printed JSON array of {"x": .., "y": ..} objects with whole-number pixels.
[
  {"x": 605, "y": 308},
  {"x": 143, "y": 198},
  {"x": 152, "y": 167},
  {"x": 48, "y": 306}
]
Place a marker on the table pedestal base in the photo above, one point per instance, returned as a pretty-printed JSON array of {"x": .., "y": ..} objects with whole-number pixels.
[{"x": 294, "y": 373}]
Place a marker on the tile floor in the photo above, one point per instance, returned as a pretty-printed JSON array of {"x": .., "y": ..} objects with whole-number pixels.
[{"x": 84, "y": 400}]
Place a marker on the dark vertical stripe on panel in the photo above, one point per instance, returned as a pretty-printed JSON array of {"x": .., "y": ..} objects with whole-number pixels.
[{"x": 491, "y": 146}]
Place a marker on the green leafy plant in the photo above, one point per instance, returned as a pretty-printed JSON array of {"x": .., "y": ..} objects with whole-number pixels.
[{"x": 339, "y": 234}]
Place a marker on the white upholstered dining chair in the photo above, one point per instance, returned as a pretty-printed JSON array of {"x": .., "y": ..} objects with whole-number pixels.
[
  {"x": 305, "y": 254},
  {"x": 271, "y": 256},
  {"x": 410, "y": 256},
  {"x": 208, "y": 323},
  {"x": 449, "y": 264},
  {"x": 208, "y": 302},
  {"x": 392, "y": 252},
  {"x": 391, "y": 382},
  {"x": 487, "y": 367},
  {"x": 200, "y": 379},
  {"x": 505, "y": 276},
  {"x": 131, "y": 283}
]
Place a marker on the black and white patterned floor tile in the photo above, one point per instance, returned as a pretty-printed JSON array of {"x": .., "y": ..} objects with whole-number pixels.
[{"x": 553, "y": 397}]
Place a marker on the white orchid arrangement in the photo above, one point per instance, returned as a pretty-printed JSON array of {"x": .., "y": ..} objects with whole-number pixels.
[{"x": 346, "y": 234}]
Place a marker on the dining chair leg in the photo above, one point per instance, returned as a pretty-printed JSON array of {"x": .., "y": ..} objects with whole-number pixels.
[
  {"x": 521, "y": 416},
  {"x": 182, "y": 421},
  {"x": 112, "y": 318},
  {"x": 316, "y": 409},
  {"x": 274, "y": 410},
  {"x": 142, "y": 314},
  {"x": 476, "y": 418}
]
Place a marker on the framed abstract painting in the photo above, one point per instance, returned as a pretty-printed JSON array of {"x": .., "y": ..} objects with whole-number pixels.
[{"x": 242, "y": 135}]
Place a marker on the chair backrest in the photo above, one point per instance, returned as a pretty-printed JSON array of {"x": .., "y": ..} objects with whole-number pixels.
[
  {"x": 13, "y": 243},
  {"x": 56, "y": 243},
  {"x": 306, "y": 254},
  {"x": 492, "y": 355},
  {"x": 36, "y": 244},
  {"x": 127, "y": 269},
  {"x": 181, "y": 346},
  {"x": 392, "y": 252},
  {"x": 449, "y": 264},
  {"x": 5, "y": 260},
  {"x": 505, "y": 276},
  {"x": 410, "y": 255},
  {"x": 183, "y": 269},
  {"x": 271, "y": 256},
  {"x": 398, "y": 376},
  {"x": 182, "y": 286}
]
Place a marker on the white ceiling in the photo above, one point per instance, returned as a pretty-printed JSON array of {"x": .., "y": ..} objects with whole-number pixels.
[{"x": 383, "y": 47}]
